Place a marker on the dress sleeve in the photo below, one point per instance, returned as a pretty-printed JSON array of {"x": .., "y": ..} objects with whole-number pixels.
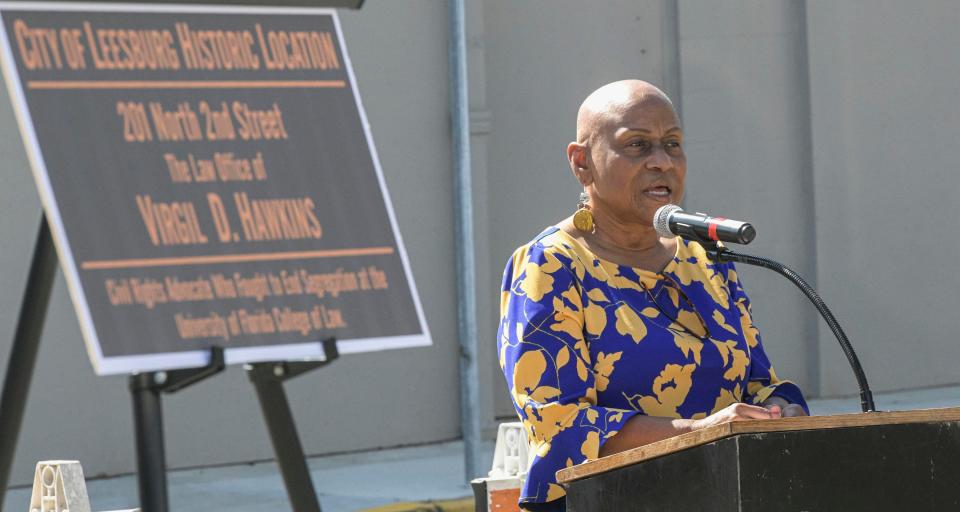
[
  {"x": 762, "y": 380},
  {"x": 546, "y": 362}
]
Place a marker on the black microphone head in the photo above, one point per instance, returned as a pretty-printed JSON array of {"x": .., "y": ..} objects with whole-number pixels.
[
  {"x": 661, "y": 220},
  {"x": 747, "y": 233}
]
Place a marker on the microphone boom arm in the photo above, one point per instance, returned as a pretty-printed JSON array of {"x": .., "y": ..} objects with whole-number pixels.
[{"x": 719, "y": 253}]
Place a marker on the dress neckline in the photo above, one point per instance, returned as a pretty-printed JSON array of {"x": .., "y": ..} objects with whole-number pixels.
[{"x": 642, "y": 272}]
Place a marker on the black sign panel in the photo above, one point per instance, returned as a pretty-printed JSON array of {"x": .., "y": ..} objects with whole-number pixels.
[{"x": 210, "y": 179}]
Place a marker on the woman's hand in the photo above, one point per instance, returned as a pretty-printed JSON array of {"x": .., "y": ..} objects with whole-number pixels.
[
  {"x": 641, "y": 429},
  {"x": 785, "y": 408},
  {"x": 736, "y": 412}
]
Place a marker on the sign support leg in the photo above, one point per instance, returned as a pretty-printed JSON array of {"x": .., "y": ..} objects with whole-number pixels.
[
  {"x": 268, "y": 379},
  {"x": 23, "y": 353},
  {"x": 145, "y": 390},
  {"x": 148, "y": 428}
]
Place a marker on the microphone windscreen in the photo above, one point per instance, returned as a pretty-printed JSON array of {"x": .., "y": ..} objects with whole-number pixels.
[{"x": 661, "y": 220}]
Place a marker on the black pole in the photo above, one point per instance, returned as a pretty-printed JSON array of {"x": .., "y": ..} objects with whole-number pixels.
[
  {"x": 148, "y": 428},
  {"x": 267, "y": 379},
  {"x": 146, "y": 391},
  {"x": 23, "y": 353}
]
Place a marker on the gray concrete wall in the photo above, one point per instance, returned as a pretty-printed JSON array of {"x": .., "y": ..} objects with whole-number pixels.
[
  {"x": 399, "y": 53},
  {"x": 884, "y": 87},
  {"x": 543, "y": 58},
  {"x": 745, "y": 116},
  {"x": 816, "y": 121},
  {"x": 812, "y": 119}
]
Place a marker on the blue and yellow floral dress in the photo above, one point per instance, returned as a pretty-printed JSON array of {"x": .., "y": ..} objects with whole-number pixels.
[{"x": 585, "y": 344}]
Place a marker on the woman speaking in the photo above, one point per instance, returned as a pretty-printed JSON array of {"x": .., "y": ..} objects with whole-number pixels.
[{"x": 611, "y": 337}]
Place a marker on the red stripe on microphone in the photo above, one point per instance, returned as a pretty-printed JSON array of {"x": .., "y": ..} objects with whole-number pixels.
[{"x": 712, "y": 229}]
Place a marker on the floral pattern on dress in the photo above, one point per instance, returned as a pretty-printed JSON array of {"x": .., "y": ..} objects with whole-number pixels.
[{"x": 586, "y": 344}]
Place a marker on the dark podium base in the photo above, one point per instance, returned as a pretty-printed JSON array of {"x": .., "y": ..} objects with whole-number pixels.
[{"x": 901, "y": 467}]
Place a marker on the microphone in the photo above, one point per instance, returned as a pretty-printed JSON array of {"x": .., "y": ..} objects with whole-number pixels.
[{"x": 671, "y": 220}]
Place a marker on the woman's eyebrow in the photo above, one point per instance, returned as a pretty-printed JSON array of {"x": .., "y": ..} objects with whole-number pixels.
[{"x": 645, "y": 130}]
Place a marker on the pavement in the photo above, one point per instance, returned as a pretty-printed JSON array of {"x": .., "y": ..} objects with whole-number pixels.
[{"x": 418, "y": 478}]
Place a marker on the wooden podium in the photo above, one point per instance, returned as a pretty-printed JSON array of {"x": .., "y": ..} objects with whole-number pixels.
[{"x": 904, "y": 461}]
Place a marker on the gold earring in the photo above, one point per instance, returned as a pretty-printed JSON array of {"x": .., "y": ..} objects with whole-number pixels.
[{"x": 583, "y": 219}]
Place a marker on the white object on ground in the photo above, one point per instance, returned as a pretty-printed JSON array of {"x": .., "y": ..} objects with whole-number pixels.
[
  {"x": 510, "y": 456},
  {"x": 59, "y": 486}
]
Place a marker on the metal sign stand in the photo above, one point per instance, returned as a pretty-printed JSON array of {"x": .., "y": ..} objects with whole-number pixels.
[
  {"x": 268, "y": 379},
  {"x": 23, "y": 353},
  {"x": 145, "y": 390}
]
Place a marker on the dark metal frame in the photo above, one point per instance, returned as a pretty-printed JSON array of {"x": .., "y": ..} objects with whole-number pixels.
[
  {"x": 145, "y": 390},
  {"x": 268, "y": 379},
  {"x": 23, "y": 353}
]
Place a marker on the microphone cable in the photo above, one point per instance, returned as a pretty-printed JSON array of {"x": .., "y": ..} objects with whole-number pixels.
[{"x": 722, "y": 254}]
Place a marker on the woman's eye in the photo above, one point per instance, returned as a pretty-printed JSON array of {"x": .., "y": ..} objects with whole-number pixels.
[{"x": 639, "y": 144}]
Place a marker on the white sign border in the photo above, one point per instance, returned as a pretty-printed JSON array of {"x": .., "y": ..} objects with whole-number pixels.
[{"x": 173, "y": 360}]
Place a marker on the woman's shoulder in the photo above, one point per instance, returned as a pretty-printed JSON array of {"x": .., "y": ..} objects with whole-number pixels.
[
  {"x": 551, "y": 251},
  {"x": 551, "y": 243}
]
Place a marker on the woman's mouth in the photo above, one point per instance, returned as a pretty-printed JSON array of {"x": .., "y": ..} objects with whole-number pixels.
[{"x": 660, "y": 193}]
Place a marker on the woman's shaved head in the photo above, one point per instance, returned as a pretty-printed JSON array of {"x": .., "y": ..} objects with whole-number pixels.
[{"x": 609, "y": 101}]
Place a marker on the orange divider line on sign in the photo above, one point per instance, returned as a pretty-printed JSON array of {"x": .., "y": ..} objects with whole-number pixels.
[
  {"x": 231, "y": 258},
  {"x": 186, "y": 84}
]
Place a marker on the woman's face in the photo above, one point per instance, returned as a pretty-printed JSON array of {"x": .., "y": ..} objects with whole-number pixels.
[{"x": 638, "y": 161}]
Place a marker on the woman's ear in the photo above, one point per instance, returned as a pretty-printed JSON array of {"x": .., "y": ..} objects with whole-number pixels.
[{"x": 577, "y": 156}]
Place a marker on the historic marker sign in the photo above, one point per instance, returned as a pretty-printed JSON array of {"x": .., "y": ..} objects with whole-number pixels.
[{"x": 210, "y": 179}]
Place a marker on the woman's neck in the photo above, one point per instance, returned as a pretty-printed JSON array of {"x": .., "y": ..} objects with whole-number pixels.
[
  {"x": 624, "y": 237},
  {"x": 630, "y": 244}
]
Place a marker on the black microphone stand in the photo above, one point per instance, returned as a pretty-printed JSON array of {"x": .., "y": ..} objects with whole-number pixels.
[{"x": 717, "y": 252}]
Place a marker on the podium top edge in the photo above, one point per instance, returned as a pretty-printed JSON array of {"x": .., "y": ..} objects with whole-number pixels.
[{"x": 717, "y": 432}]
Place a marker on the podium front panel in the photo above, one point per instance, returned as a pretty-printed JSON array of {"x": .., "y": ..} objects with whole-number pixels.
[
  {"x": 703, "y": 478},
  {"x": 890, "y": 467},
  {"x": 869, "y": 468}
]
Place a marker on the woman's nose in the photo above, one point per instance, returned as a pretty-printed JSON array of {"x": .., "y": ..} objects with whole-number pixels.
[{"x": 659, "y": 160}]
